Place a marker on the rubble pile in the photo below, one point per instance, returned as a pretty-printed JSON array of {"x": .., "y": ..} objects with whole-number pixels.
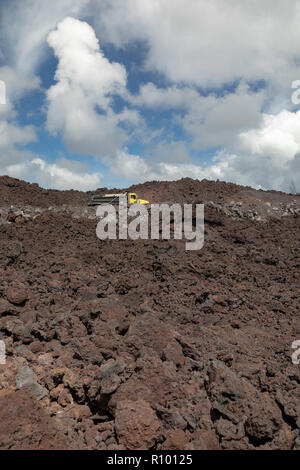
[{"x": 124, "y": 344}]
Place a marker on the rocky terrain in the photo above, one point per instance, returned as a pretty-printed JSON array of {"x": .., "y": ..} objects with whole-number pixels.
[{"x": 140, "y": 344}]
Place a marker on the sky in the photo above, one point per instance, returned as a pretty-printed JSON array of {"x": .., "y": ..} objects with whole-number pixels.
[{"x": 107, "y": 93}]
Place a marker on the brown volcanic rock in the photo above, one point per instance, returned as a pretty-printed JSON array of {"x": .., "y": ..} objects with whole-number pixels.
[
  {"x": 136, "y": 424},
  {"x": 200, "y": 343},
  {"x": 148, "y": 331},
  {"x": 203, "y": 440},
  {"x": 239, "y": 402},
  {"x": 17, "y": 294},
  {"x": 6, "y": 307},
  {"x": 14, "y": 191},
  {"x": 25, "y": 426},
  {"x": 175, "y": 440}
]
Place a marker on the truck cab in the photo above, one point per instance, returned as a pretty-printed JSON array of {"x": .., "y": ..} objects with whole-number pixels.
[
  {"x": 98, "y": 200},
  {"x": 133, "y": 199}
]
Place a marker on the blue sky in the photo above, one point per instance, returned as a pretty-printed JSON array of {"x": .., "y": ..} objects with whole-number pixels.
[{"x": 109, "y": 93}]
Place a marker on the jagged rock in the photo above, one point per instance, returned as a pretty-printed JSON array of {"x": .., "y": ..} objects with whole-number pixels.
[
  {"x": 149, "y": 331},
  {"x": 175, "y": 440},
  {"x": 6, "y": 307},
  {"x": 17, "y": 294},
  {"x": 238, "y": 401},
  {"x": 109, "y": 376},
  {"x": 136, "y": 424},
  {"x": 26, "y": 380},
  {"x": 25, "y": 426},
  {"x": 162, "y": 312},
  {"x": 203, "y": 440}
]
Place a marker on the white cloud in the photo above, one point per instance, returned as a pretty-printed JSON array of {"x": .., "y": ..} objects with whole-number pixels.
[
  {"x": 18, "y": 162},
  {"x": 11, "y": 134},
  {"x": 59, "y": 175},
  {"x": 278, "y": 137},
  {"x": 208, "y": 43},
  {"x": 195, "y": 45},
  {"x": 86, "y": 81},
  {"x": 13, "y": 139},
  {"x": 172, "y": 152},
  {"x": 25, "y": 25},
  {"x": 131, "y": 167},
  {"x": 82, "y": 65},
  {"x": 15, "y": 88},
  {"x": 166, "y": 98},
  {"x": 266, "y": 157},
  {"x": 211, "y": 120},
  {"x": 80, "y": 103},
  {"x": 205, "y": 43},
  {"x": 216, "y": 121},
  {"x": 137, "y": 169}
]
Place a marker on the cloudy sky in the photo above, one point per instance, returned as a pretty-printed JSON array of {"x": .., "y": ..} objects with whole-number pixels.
[{"x": 112, "y": 92}]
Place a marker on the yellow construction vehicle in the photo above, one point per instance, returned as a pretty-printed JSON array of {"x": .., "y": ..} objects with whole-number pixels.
[{"x": 114, "y": 199}]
